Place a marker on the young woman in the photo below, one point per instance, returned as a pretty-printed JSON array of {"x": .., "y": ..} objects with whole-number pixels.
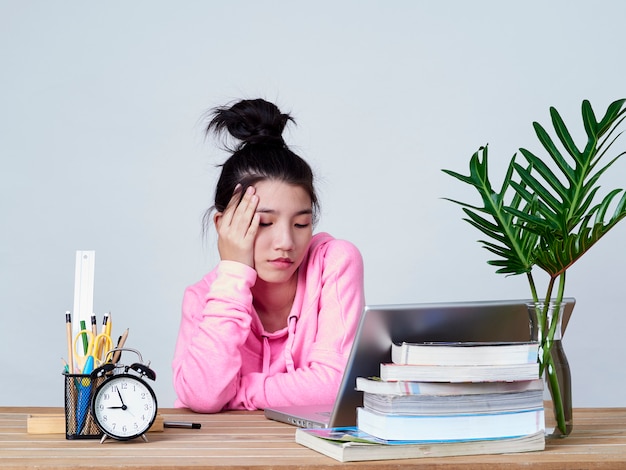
[{"x": 273, "y": 323}]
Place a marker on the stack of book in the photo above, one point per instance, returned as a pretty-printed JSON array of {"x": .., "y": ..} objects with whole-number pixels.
[{"x": 443, "y": 399}]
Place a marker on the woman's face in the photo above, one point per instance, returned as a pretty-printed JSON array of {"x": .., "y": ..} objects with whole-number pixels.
[{"x": 285, "y": 230}]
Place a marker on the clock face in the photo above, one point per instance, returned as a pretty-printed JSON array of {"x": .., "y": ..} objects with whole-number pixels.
[{"x": 124, "y": 406}]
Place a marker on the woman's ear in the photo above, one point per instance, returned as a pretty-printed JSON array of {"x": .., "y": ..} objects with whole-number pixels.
[{"x": 217, "y": 218}]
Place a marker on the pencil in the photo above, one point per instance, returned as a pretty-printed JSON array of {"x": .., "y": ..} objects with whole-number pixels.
[
  {"x": 109, "y": 326},
  {"x": 94, "y": 332},
  {"x": 120, "y": 344},
  {"x": 94, "y": 328},
  {"x": 105, "y": 320},
  {"x": 70, "y": 348}
]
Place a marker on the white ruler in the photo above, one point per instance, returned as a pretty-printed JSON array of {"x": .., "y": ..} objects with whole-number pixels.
[{"x": 84, "y": 286}]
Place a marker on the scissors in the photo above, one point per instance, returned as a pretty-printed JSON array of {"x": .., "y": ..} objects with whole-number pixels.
[{"x": 92, "y": 356}]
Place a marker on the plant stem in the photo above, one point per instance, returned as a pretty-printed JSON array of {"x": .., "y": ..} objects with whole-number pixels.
[
  {"x": 533, "y": 288},
  {"x": 546, "y": 334},
  {"x": 550, "y": 324},
  {"x": 555, "y": 390}
]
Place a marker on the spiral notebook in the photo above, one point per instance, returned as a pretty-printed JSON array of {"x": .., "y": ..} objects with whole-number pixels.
[{"x": 382, "y": 325}]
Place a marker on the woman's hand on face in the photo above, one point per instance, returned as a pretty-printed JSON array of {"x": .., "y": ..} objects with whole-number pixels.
[{"x": 237, "y": 227}]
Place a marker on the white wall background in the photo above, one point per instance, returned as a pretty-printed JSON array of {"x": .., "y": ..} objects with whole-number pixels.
[{"x": 101, "y": 149}]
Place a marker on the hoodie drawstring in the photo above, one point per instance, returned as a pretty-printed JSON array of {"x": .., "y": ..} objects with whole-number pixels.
[
  {"x": 288, "y": 355},
  {"x": 291, "y": 336},
  {"x": 266, "y": 355}
]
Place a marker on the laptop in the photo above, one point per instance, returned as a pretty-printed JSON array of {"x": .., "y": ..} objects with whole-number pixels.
[{"x": 382, "y": 325}]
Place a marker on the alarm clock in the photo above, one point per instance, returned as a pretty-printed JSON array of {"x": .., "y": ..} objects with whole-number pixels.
[{"x": 124, "y": 406}]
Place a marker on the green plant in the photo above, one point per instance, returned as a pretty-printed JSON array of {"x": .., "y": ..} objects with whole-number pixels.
[{"x": 549, "y": 213}]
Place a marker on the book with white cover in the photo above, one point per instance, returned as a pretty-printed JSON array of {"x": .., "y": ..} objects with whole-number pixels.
[
  {"x": 403, "y": 387},
  {"x": 483, "y": 373},
  {"x": 469, "y": 353},
  {"x": 450, "y": 427},
  {"x": 352, "y": 445},
  {"x": 453, "y": 404}
]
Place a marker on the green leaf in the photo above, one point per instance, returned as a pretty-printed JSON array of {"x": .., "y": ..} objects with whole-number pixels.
[
  {"x": 589, "y": 119},
  {"x": 613, "y": 112},
  {"x": 551, "y": 218},
  {"x": 498, "y": 225},
  {"x": 566, "y": 139}
]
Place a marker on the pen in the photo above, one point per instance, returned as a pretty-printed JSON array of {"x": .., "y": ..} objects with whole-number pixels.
[
  {"x": 181, "y": 424},
  {"x": 70, "y": 347}
]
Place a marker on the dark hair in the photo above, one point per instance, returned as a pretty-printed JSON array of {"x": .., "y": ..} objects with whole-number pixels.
[{"x": 261, "y": 153}]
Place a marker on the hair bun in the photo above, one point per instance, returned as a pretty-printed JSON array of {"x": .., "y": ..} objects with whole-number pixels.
[{"x": 251, "y": 121}]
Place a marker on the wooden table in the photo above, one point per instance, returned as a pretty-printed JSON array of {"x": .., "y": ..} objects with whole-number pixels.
[{"x": 246, "y": 440}]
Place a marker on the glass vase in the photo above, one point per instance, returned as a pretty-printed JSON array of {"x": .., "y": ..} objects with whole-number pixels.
[{"x": 546, "y": 327}]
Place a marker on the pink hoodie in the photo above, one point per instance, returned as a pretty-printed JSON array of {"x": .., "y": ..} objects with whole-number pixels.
[{"x": 225, "y": 360}]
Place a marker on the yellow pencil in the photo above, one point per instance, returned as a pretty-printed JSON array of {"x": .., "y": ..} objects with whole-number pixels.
[
  {"x": 109, "y": 325},
  {"x": 94, "y": 328},
  {"x": 70, "y": 346},
  {"x": 105, "y": 322}
]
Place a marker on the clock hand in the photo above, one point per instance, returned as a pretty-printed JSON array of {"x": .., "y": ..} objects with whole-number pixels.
[
  {"x": 123, "y": 407},
  {"x": 120, "y": 395}
]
